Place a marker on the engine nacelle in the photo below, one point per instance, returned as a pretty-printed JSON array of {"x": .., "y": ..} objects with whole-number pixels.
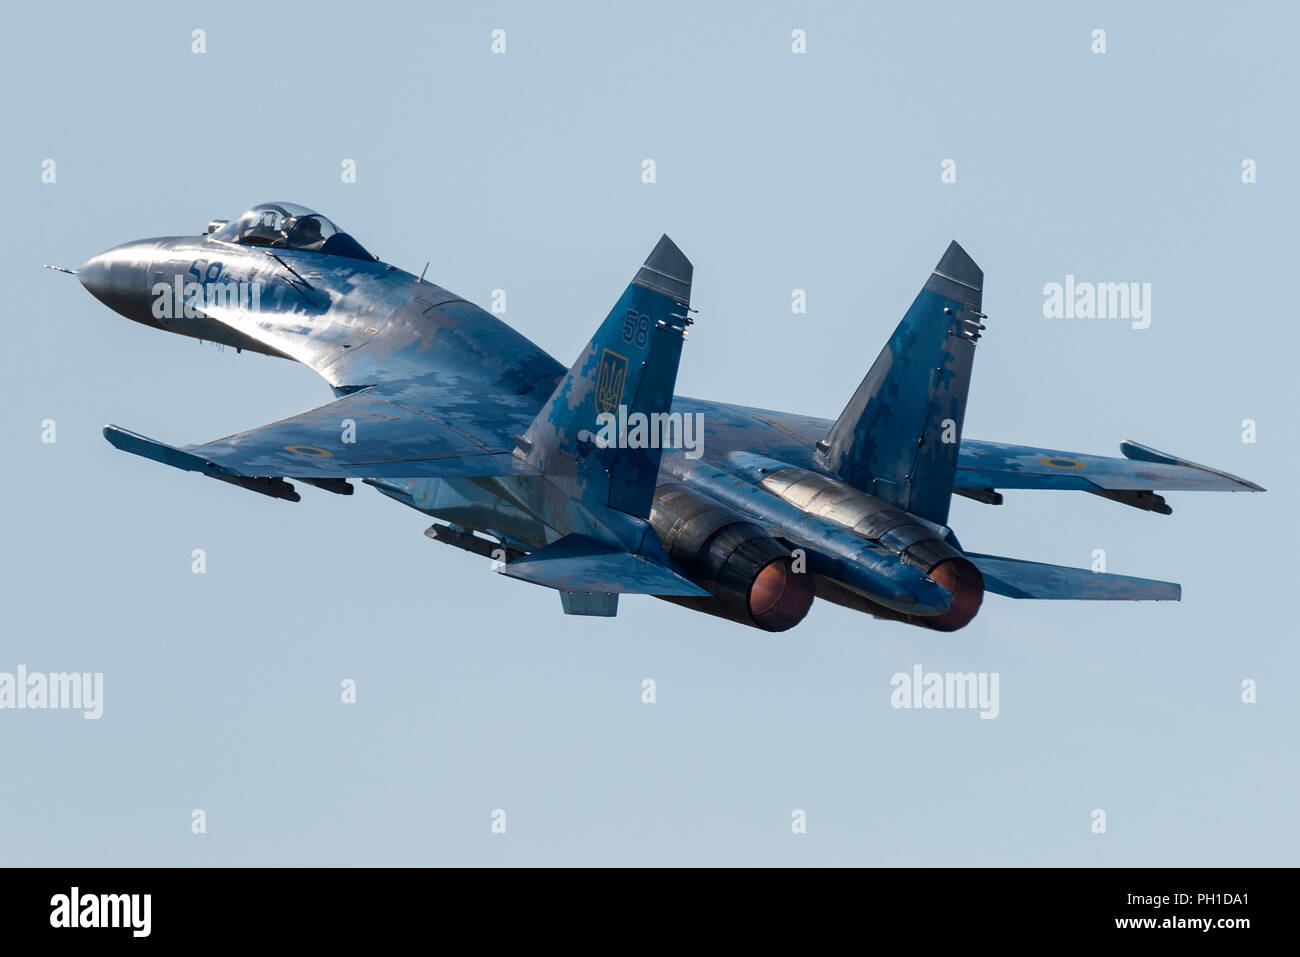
[
  {"x": 748, "y": 573},
  {"x": 915, "y": 542}
]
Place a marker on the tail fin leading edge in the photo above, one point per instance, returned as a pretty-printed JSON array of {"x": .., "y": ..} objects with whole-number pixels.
[{"x": 898, "y": 437}]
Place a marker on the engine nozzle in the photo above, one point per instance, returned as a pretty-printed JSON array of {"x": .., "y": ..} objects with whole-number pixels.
[
  {"x": 964, "y": 581},
  {"x": 749, "y": 574}
]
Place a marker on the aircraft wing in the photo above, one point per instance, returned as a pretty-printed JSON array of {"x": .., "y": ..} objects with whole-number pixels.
[
  {"x": 382, "y": 431},
  {"x": 980, "y": 465},
  {"x": 991, "y": 465}
]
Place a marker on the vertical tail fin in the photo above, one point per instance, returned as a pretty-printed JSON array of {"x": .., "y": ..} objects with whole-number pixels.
[
  {"x": 629, "y": 366},
  {"x": 898, "y": 437}
]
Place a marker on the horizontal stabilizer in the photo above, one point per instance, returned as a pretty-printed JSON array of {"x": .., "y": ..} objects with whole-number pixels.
[
  {"x": 577, "y": 563},
  {"x": 1020, "y": 579}
]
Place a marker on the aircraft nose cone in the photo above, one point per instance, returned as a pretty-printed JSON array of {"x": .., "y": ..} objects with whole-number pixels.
[
  {"x": 93, "y": 275},
  {"x": 118, "y": 279}
]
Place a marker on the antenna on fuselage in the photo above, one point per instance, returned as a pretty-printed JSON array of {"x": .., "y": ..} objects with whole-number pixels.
[{"x": 422, "y": 272}]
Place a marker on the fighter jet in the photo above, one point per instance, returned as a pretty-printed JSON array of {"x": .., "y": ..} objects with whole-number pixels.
[{"x": 595, "y": 480}]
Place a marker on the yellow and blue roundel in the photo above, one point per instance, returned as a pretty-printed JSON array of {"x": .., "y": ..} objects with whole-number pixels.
[
  {"x": 311, "y": 451},
  {"x": 1057, "y": 462}
]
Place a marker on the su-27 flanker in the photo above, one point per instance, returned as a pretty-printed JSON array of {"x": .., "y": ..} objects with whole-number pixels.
[{"x": 446, "y": 409}]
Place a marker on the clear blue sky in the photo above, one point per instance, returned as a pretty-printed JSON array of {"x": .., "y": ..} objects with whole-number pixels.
[{"x": 774, "y": 172}]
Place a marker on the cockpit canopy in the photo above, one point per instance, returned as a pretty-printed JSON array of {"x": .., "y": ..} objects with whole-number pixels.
[{"x": 290, "y": 226}]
